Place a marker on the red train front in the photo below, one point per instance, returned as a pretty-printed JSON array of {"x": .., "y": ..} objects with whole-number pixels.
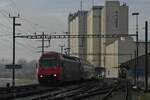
[
  {"x": 54, "y": 67},
  {"x": 49, "y": 68}
]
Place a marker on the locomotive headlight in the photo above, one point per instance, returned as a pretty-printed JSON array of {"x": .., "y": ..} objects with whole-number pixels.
[
  {"x": 55, "y": 75},
  {"x": 41, "y": 76}
]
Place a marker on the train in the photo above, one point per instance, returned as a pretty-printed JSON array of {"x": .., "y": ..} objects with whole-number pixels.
[{"x": 56, "y": 67}]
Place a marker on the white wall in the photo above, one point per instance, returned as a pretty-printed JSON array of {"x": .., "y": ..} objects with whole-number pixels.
[
  {"x": 78, "y": 26},
  {"x": 112, "y": 60},
  {"x": 127, "y": 47},
  {"x": 114, "y": 19},
  {"x": 122, "y": 50},
  {"x": 94, "y": 27}
]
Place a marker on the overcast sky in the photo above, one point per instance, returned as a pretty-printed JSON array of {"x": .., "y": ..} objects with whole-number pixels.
[{"x": 50, "y": 16}]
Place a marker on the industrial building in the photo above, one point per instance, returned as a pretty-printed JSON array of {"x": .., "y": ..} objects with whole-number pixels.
[
  {"x": 132, "y": 66},
  {"x": 109, "y": 53},
  {"x": 114, "y": 21},
  {"x": 93, "y": 27},
  {"x": 77, "y": 25},
  {"x": 119, "y": 52}
]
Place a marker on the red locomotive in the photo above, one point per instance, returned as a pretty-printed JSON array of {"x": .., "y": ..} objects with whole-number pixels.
[{"x": 54, "y": 67}]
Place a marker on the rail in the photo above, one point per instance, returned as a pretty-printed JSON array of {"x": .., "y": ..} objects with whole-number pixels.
[{"x": 73, "y": 91}]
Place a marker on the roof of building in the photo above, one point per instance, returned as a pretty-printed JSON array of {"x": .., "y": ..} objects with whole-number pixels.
[
  {"x": 76, "y": 14},
  {"x": 97, "y": 7},
  {"x": 127, "y": 63}
]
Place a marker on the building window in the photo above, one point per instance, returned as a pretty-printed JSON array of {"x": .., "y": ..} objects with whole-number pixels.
[{"x": 116, "y": 19}]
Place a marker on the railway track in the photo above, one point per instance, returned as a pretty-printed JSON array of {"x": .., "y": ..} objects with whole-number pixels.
[
  {"x": 73, "y": 91},
  {"x": 78, "y": 92},
  {"x": 22, "y": 91},
  {"x": 30, "y": 90},
  {"x": 119, "y": 92},
  {"x": 4, "y": 90}
]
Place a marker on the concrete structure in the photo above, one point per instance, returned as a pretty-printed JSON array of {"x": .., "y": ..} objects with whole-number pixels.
[
  {"x": 94, "y": 27},
  {"x": 114, "y": 21},
  {"x": 115, "y": 18},
  {"x": 120, "y": 52},
  {"x": 77, "y": 24},
  {"x": 112, "y": 18}
]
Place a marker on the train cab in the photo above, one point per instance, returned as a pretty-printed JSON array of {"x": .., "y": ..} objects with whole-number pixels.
[{"x": 49, "y": 69}]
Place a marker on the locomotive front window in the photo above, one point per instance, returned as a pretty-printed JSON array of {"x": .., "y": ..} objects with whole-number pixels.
[{"x": 48, "y": 63}]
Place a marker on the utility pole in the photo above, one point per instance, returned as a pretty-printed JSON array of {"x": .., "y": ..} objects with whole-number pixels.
[
  {"x": 137, "y": 35},
  {"x": 68, "y": 33},
  {"x": 146, "y": 56},
  {"x": 42, "y": 43},
  {"x": 14, "y": 27},
  {"x": 135, "y": 66},
  {"x": 81, "y": 5}
]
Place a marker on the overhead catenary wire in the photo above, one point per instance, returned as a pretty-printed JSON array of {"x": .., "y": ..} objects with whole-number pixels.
[
  {"x": 5, "y": 41},
  {"x": 32, "y": 24},
  {"x": 31, "y": 49},
  {"x": 26, "y": 46},
  {"x": 17, "y": 42},
  {"x": 8, "y": 26},
  {"x": 5, "y": 14},
  {"x": 4, "y": 35},
  {"x": 29, "y": 46}
]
